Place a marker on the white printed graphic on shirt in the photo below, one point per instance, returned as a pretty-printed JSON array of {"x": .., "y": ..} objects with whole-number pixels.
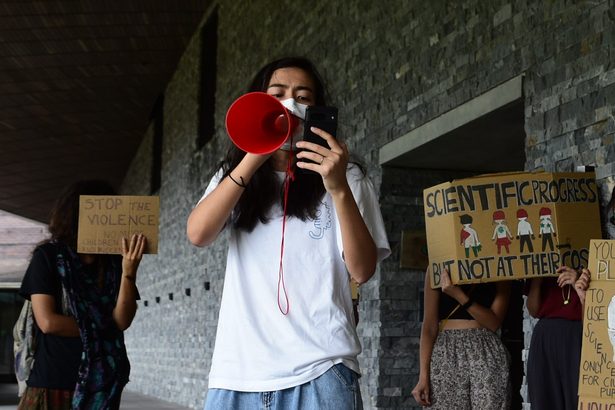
[{"x": 320, "y": 225}]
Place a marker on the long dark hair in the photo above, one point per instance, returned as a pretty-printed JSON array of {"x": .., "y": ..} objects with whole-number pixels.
[
  {"x": 64, "y": 218},
  {"x": 264, "y": 189}
]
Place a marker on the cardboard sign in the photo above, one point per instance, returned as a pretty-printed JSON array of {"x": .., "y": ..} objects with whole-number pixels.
[
  {"x": 510, "y": 226},
  {"x": 597, "y": 368},
  {"x": 104, "y": 220}
]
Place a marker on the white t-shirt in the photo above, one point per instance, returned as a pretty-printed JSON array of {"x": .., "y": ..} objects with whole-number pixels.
[
  {"x": 524, "y": 228},
  {"x": 257, "y": 347}
]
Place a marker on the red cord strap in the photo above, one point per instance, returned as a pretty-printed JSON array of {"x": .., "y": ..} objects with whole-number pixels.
[{"x": 290, "y": 176}]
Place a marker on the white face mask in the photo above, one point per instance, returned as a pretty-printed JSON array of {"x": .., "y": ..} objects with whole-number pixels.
[{"x": 298, "y": 110}]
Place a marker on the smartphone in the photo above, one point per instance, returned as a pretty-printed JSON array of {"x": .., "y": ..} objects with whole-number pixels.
[{"x": 322, "y": 117}]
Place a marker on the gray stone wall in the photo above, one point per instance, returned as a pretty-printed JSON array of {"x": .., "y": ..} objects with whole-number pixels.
[
  {"x": 138, "y": 179},
  {"x": 390, "y": 67}
]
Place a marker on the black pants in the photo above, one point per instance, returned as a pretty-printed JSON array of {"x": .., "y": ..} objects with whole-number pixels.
[
  {"x": 553, "y": 364},
  {"x": 526, "y": 240},
  {"x": 547, "y": 238}
]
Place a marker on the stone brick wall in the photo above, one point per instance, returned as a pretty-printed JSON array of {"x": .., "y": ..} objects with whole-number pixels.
[{"x": 390, "y": 67}]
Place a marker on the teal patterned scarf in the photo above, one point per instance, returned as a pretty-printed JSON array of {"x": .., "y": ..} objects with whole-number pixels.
[{"x": 104, "y": 368}]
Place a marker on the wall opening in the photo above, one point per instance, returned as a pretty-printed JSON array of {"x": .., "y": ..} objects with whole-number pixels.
[{"x": 484, "y": 135}]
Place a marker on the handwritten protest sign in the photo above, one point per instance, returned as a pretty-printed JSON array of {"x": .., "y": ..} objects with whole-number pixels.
[
  {"x": 510, "y": 226},
  {"x": 104, "y": 220},
  {"x": 597, "y": 369}
]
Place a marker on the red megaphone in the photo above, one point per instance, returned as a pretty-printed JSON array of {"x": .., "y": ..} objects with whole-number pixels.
[{"x": 258, "y": 123}]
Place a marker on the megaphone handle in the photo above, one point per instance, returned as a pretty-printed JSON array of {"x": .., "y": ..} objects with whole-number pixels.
[{"x": 280, "y": 124}]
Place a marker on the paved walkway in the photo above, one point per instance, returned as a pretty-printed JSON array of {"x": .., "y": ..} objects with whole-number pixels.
[
  {"x": 134, "y": 401},
  {"x": 130, "y": 400}
]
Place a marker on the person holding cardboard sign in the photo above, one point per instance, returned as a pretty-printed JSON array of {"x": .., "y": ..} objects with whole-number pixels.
[
  {"x": 286, "y": 333},
  {"x": 555, "y": 348},
  {"x": 463, "y": 362},
  {"x": 80, "y": 356}
]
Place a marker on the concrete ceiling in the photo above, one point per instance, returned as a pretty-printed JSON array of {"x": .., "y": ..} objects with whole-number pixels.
[{"x": 78, "y": 81}]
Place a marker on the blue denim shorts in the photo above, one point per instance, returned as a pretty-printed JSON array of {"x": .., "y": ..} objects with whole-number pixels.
[{"x": 336, "y": 389}]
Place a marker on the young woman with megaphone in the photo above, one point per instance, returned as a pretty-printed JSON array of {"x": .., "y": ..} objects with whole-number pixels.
[{"x": 286, "y": 333}]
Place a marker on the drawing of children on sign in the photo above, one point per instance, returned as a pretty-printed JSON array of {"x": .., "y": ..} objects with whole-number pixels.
[
  {"x": 469, "y": 237},
  {"x": 501, "y": 233},
  {"x": 611, "y": 324},
  {"x": 524, "y": 231},
  {"x": 547, "y": 230}
]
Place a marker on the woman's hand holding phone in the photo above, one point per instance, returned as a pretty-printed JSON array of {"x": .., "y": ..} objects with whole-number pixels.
[
  {"x": 321, "y": 117},
  {"x": 329, "y": 162}
]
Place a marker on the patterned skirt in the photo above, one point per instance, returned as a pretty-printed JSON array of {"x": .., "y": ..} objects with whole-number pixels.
[
  {"x": 41, "y": 398},
  {"x": 470, "y": 370}
]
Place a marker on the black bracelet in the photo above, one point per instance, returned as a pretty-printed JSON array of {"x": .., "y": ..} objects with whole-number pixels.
[
  {"x": 466, "y": 305},
  {"x": 243, "y": 184}
]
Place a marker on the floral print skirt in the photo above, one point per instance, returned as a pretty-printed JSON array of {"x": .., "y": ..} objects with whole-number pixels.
[{"x": 470, "y": 370}]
